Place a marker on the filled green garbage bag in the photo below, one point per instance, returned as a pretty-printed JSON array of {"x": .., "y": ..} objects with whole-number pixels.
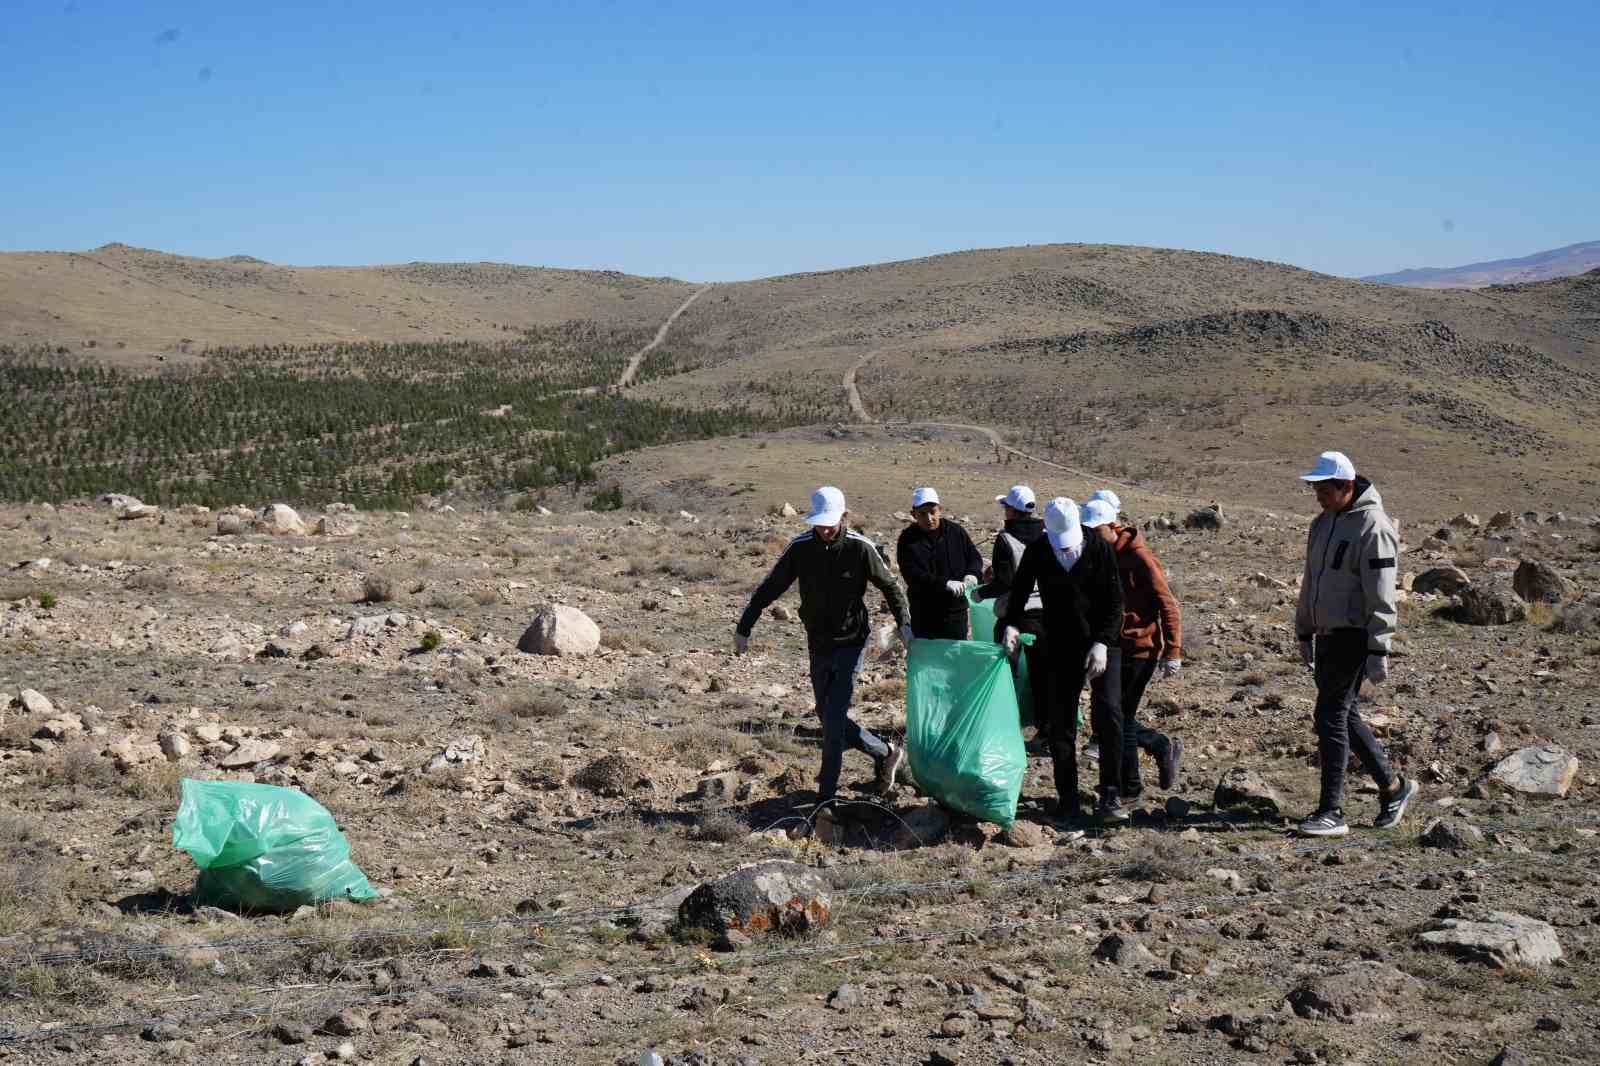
[
  {"x": 264, "y": 848},
  {"x": 962, "y": 732}
]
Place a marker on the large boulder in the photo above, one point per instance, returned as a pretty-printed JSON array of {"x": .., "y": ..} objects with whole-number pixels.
[
  {"x": 1205, "y": 518},
  {"x": 1489, "y": 605},
  {"x": 1362, "y": 992},
  {"x": 560, "y": 630},
  {"x": 230, "y": 525},
  {"x": 1504, "y": 940},
  {"x": 128, "y": 512},
  {"x": 1445, "y": 580},
  {"x": 1538, "y": 582},
  {"x": 1243, "y": 788},
  {"x": 338, "y": 524},
  {"x": 34, "y": 703},
  {"x": 1544, "y": 771},
  {"x": 771, "y": 896},
  {"x": 1502, "y": 520},
  {"x": 281, "y": 520},
  {"x": 1466, "y": 521}
]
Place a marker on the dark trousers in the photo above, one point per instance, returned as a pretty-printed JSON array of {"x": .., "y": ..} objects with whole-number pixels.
[
  {"x": 1058, "y": 716},
  {"x": 1341, "y": 658},
  {"x": 1136, "y": 736},
  {"x": 833, "y": 681}
]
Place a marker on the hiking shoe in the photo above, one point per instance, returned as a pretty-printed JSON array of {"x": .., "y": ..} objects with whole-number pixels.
[
  {"x": 1110, "y": 811},
  {"x": 1038, "y": 746},
  {"x": 1324, "y": 824},
  {"x": 1392, "y": 807},
  {"x": 1092, "y": 751},
  {"x": 1169, "y": 764},
  {"x": 889, "y": 767}
]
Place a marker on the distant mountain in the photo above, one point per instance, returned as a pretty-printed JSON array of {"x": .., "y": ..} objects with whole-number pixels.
[{"x": 1540, "y": 266}]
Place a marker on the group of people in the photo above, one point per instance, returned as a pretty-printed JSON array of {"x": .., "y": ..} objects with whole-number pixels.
[{"x": 1097, "y": 603}]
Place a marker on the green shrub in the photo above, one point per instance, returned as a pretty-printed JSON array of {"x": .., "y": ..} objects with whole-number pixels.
[
  {"x": 431, "y": 640},
  {"x": 47, "y": 601}
]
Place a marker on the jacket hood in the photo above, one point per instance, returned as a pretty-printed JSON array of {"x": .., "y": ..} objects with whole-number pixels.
[{"x": 1367, "y": 497}]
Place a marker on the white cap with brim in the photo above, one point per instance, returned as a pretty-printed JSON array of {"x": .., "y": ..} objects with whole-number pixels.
[
  {"x": 1097, "y": 513},
  {"x": 1109, "y": 497},
  {"x": 1331, "y": 466},
  {"x": 1061, "y": 524},
  {"x": 827, "y": 507},
  {"x": 1018, "y": 498},
  {"x": 924, "y": 496}
]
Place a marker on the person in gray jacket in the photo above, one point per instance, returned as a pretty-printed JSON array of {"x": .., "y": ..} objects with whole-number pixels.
[{"x": 1345, "y": 622}]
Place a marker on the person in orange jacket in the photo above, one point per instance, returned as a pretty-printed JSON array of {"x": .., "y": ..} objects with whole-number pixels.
[{"x": 1152, "y": 642}]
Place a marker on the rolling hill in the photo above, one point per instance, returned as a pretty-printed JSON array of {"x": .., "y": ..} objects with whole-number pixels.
[{"x": 1540, "y": 266}]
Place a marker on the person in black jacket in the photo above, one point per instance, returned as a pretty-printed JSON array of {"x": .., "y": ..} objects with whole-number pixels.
[
  {"x": 833, "y": 564},
  {"x": 939, "y": 562},
  {"x": 1023, "y": 526},
  {"x": 1082, "y": 602}
]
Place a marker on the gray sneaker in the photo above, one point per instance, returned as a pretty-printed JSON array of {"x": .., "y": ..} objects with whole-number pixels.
[{"x": 889, "y": 767}]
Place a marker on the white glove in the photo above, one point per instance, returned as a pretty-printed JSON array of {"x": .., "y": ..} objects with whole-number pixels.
[
  {"x": 741, "y": 644},
  {"x": 956, "y": 588},
  {"x": 1095, "y": 661},
  {"x": 1169, "y": 668},
  {"x": 1308, "y": 654},
  {"x": 1012, "y": 640},
  {"x": 1377, "y": 669},
  {"x": 906, "y": 636},
  {"x": 970, "y": 581}
]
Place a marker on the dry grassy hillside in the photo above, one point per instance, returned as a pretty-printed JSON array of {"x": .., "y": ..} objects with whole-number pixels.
[
  {"x": 133, "y": 303},
  {"x": 1185, "y": 373}
]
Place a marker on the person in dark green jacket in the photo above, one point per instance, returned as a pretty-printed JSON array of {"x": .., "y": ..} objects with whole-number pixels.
[{"x": 833, "y": 565}]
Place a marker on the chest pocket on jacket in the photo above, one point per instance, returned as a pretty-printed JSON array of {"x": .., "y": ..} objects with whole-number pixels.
[{"x": 1338, "y": 555}]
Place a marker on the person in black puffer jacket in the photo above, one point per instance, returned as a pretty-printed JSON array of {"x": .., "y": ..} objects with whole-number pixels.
[
  {"x": 939, "y": 562},
  {"x": 1082, "y": 601}
]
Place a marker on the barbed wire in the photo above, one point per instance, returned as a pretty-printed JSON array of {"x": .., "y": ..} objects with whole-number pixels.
[
  {"x": 1080, "y": 913},
  {"x": 1053, "y": 872}
]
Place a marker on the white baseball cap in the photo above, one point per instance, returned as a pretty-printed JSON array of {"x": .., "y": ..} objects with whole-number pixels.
[
  {"x": 1018, "y": 497},
  {"x": 1061, "y": 523},
  {"x": 827, "y": 507},
  {"x": 924, "y": 495},
  {"x": 1331, "y": 466},
  {"x": 1109, "y": 497},
  {"x": 1097, "y": 513}
]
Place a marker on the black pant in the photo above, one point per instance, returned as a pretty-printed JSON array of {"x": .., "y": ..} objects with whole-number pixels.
[
  {"x": 1058, "y": 715},
  {"x": 1136, "y": 737},
  {"x": 1341, "y": 658}
]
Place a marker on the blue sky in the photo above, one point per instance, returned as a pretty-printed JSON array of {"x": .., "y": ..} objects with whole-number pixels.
[{"x": 713, "y": 143}]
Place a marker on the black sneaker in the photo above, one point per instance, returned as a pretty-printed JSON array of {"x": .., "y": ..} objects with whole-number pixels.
[
  {"x": 1110, "y": 811},
  {"x": 1169, "y": 764},
  {"x": 1324, "y": 824},
  {"x": 1392, "y": 808},
  {"x": 888, "y": 767}
]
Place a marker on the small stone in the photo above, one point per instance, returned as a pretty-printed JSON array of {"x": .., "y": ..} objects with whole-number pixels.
[
  {"x": 956, "y": 1026},
  {"x": 844, "y": 997}
]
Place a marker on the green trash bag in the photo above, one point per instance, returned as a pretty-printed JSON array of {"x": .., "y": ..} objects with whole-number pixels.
[
  {"x": 980, "y": 613},
  {"x": 263, "y": 848},
  {"x": 962, "y": 732}
]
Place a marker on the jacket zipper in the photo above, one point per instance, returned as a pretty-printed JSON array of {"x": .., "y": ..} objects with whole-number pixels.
[{"x": 1316, "y": 594}]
